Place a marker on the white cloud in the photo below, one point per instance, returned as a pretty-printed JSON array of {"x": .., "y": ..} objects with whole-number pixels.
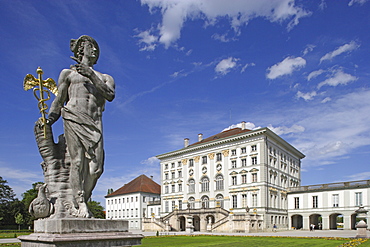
[
  {"x": 342, "y": 49},
  {"x": 306, "y": 96},
  {"x": 246, "y": 66},
  {"x": 151, "y": 161},
  {"x": 360, "y": 2},
  {"x": 327, "y": 99},
  {"x": 359, "y": 176},
  {"x": 308, "y": 49},
  {"x": 322, "y": 5},
  {"x": 285, "y": 67},
  {"x": 334, "y": 129},
  {"x": 315, "y": 74},
  {"x": 338, "y": 78},
  {"x": 283, "y": 130},
  {"x": 248, "y": 125},
  {"x": 148, "y": 40},
  {"x": 226, "y": 65},
  {"x": 238, "y": 12}
]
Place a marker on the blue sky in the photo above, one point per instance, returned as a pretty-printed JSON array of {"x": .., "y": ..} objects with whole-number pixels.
[{"x": 181, "y": 68}]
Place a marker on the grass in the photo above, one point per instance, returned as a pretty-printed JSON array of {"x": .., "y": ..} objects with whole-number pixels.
[
  {"x": 242, "y": 241},
  {"x": 236, "y": 241},
  {"x": 13, "y": 234}
]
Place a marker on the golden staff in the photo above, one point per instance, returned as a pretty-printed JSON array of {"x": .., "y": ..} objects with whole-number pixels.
[{"x": 31, "y": 82}]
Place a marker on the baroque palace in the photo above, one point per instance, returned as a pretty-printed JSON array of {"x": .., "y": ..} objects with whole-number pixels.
[{"x": 243, "y": 180}]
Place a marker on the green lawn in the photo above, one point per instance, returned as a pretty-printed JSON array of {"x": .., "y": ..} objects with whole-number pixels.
[
  {"x": 186, "y": 241},
  {"x": 236, "y": 241}
]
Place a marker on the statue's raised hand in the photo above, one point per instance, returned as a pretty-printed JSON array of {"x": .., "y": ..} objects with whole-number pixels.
[{"x": 84, "y": 70}]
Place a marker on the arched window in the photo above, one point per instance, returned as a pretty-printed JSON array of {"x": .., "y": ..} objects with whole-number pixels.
[
  {"x": 205, "y": 184},
  {"x": 205, "y": 202},
  {"x": 191, "y": 186},
  {"x": 220, "y": 201},
  {"x": 191, "y": 202},
  {"x": 219, "y": 182}
]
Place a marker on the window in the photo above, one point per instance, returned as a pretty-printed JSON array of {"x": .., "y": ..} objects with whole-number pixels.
[
  {"x": 191, "y": 202},
  {"x": 254, "y": 200},
  {"x": 143, "y": 198},
  {"x": 136, "y": 212},
  {"x": 166, "y": 208},
  {"x": 173, "y": 205},
  {"x": 191, "y": 162},
  {"x": 315, "y": 202},
  {"x": 166, "y": 166},
  {"x": 233, "y": 180},
  {"x": 173, "y": 188},
  {"x": 180, "y": 174},
  {"x": 137, "y": 199},
  {"x": 219, "y": 157},
  {"x": 254, "y": 148},
  {"x": 180, "y": 187},
  {"x": 123, "y": 200},
  {"x": 254, "y": 160},
  {"x": 166, "y": 189},
  {"x": 204, "y": 160},
  {"x": 172, "y": 165},
  {"x": 204, "y": 184},
  {"x": 233, "y": 152},
  {"x": 172, "y": 175},
  {"x": 191, "y": 186},
  {"x": 233, "y": 164},
  {"x": 219, "y": 182},
  {"x": 220, "y": 201},
  {"x": 244, "y": 178},
  {"x": 244, "y": 200},
  {"x": 335, "y": 200},
  {"x": 244, "y": 162},
  {"x": 254, "y": 177},
  {"x": 296, "y": 202},
  {"x": 179, "y": 164},
  {"x": 205, "y": 202},
  {"x": 358, "y": 197},
  {"x": 166, "y": 176},
  {"x": 180, "y": 204},
  {"x": 235, "y": 201},
  {"x": 244, "y": 150}
]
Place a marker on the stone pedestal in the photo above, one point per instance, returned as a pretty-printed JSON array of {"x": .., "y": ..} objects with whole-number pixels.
[
  {"x": 361, "y": 229},
  {"x": 80, "y": 233}
]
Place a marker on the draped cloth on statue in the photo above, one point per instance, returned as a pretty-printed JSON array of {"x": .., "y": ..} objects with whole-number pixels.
[{"x": 83, "y": 129}]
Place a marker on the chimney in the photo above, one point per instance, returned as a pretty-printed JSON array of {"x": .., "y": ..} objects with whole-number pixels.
[
  {"x": 151, "y": 177},
  {"x": 243, "y": 125},
  {"x": 200, "y": 137},
  {"x": 186, "y": 142}
]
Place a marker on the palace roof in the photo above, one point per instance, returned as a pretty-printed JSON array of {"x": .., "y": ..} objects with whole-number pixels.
[{"x": 139, "y": 184}]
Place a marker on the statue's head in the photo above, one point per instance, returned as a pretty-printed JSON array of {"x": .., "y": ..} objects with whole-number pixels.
[{"x": 77, "y": 46}]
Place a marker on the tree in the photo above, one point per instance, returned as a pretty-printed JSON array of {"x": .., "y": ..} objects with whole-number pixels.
[
  {"x": 96, "y": 209},
  {"x": 6, "y": 198},
  {"x": 19, "y": 220},
  {"x": 6, "y": 193}
]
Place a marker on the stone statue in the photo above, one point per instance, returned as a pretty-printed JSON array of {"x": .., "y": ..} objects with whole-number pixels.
[{"x": 73, "y": 166}]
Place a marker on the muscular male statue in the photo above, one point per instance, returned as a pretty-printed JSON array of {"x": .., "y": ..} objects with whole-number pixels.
[{"x": 80, "y": 101}]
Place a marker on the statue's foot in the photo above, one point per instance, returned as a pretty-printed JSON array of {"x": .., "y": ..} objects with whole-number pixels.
[{"x": 83, "y": 211}]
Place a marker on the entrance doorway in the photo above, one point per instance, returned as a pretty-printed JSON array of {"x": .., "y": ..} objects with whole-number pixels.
[{"x": 196, "y": 223}]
